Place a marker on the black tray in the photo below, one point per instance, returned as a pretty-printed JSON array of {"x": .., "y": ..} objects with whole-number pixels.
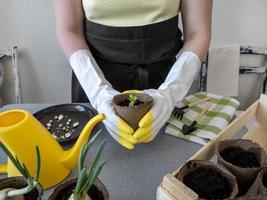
[{"x": 65, "y": 133}]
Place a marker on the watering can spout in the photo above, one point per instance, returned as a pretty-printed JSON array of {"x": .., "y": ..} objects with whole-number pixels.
[{"x": 71, "y": 156}]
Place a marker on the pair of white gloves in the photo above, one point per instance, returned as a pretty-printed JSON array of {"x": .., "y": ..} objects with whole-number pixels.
[{"x": 100, "y": 93}]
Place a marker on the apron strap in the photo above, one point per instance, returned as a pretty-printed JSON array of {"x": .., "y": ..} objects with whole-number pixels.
[{"x": 142, "y": 76}]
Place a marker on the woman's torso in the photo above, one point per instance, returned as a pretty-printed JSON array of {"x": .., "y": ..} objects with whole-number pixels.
[
  {"x": 130, "y": 12},
  {"x": 133, "y": 41}
]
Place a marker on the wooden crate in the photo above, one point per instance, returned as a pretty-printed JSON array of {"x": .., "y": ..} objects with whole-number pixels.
[{"x": 254, "y": 118}]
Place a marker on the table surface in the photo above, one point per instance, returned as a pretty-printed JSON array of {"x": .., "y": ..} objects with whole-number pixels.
[{"x": 131, "y": 175}]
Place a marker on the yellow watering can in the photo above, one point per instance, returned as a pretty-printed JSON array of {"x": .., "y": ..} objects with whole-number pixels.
[{"x": 20, "y": 132}]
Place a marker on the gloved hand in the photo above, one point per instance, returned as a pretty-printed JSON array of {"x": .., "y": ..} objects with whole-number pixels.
[
  {"x": 100, "y": 93},
  {"x": 174, "y": 89}
]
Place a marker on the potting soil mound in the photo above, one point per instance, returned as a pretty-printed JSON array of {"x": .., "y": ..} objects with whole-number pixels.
[
  {"x": 33, "y": 195},
  {"x": 239, "y": 157},
  {"x": 208, "y": 184},
  {"x": 94, "y": 193},
  {"x": 127, "y": 102}
]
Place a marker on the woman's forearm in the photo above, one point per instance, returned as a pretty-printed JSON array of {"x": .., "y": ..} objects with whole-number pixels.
[
  {"x": 196, "y": 16},
  {"x": 71, "y": 41},
  {"x": 199, "y": 45},
  {"x": 69, "y": 24}
]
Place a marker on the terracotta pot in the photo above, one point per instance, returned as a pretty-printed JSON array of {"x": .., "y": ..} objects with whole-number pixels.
[
  {"x": 20, "y": 182},
  {"x": 253, "y": 197},
  {"x": 245, "y": 176},
  {"x": 209, "y": 167},
  {"x": 65, "y": 190},
  {"x": 132, "y": 114}
]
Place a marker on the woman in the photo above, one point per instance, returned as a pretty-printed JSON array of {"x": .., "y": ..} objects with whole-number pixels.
[{"x": 117, "y": 45}]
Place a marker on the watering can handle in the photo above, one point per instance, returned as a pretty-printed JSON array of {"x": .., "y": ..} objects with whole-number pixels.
[{"x": 3, "y": 168}]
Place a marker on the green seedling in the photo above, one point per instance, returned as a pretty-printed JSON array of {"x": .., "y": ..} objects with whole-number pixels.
[
  {"x": 132, "y": 100},
  {"x": 32, "y": 182},
  {"x": 87, "y": 175}
]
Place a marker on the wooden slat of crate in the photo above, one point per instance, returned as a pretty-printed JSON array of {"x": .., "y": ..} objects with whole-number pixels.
[
  {"x": 258, "y": 134},
  {"x": 178, "y": 189},
  {"x": 164, "y": 194}
]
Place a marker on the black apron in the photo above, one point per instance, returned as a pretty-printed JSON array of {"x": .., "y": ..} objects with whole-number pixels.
[{"x": 138, "y": 57}]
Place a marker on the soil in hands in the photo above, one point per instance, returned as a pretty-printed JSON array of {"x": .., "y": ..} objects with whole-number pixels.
[
  {"x": 94, "y": 193},
  {"x": 126, "y": 102},
  {"x": 239, "y": 157},
  {"x": 208, "y": 184}
]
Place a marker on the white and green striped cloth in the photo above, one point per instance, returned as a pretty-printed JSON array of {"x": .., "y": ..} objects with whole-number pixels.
[{"x": 218, "y": 117}]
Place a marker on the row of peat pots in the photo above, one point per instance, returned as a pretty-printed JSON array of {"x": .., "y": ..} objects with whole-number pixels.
[
  {"x": 63, "y": 192},
  {"x": 240, "y": 173}
]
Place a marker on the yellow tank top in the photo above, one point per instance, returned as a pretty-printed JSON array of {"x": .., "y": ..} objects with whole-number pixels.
[{"x": 130, "y": 12}]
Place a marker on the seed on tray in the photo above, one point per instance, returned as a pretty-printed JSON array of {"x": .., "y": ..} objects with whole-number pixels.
[
  {"x": 50, "y": 121},
  {"x": 56, "y": 117},
  {"x": 75, "y": 124},
  {"x": 48, "y": 124},
  {"x": 60, "y": 125},
  {"x": 48, "y": 128},
  {"x": 69, "y": 120},
  {"x": 67, "y": 135},
  {"x": 60, "y": 117},
  {"x": 54, "y": 136}
]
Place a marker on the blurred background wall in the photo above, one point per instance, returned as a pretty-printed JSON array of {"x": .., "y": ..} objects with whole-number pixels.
[{"x": 45, "y": 72}]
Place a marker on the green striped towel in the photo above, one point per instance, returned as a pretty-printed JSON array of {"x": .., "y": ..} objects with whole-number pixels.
[{"x": 218, "y": 117}]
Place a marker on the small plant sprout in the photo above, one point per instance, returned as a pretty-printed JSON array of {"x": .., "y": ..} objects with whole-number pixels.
[
  {"x": 32, "y": 182},
  {"x": 132, "y": 100},
  {"x": 87, "y": 176}
]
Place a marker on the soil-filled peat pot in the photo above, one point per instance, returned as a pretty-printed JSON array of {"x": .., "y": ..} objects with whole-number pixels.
[
  {"x": 97, "y": 192},
  {"x": 243, "y": 158},
  {"x": 262, "y": 181},
  {"x": 253, "y": 197},
  {"x": 209, "y": 180},
  {"x": 18, "y": 183},
  {"x": 132, "y": 114}
]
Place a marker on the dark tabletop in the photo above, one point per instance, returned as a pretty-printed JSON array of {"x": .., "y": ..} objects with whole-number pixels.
[{"x": 136, "y": 174}]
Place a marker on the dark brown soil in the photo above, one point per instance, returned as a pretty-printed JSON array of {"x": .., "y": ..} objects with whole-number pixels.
[
  {"x": 264, "y": 180},
  {"x": 94, "y": 193},
  {"x": 208, "y": 184},
  {"x": 126, "y": 103},
  {"x": 239, "y": 157},
  {"x": 33, "y": 195}
]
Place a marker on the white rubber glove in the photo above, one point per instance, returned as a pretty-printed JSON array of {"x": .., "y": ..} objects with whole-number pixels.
[
  {"x": 174, "y": 89},
  {"x": 100, "y": 93}
]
